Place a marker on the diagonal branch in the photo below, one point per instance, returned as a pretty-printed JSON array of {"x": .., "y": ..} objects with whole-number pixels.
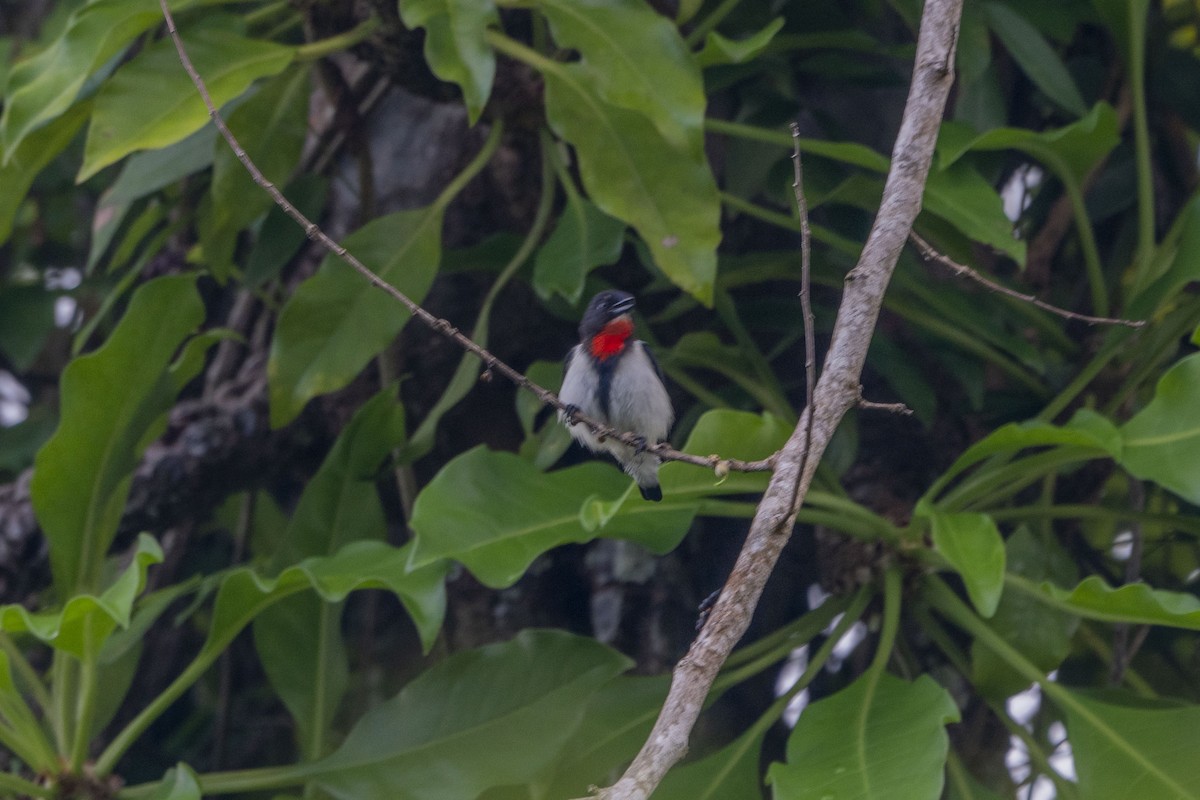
[
  {"x": 491, "y": 363},
  {"x": 837, "y": 391},
  {"x": 930, "y": 254}
]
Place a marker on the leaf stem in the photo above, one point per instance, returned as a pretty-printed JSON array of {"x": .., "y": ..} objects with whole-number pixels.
[
  {"x": 891, "y": 622},
  {"x": 710, "y": 22},
  {"x": 338, "y": 43},
  {"x": 204, "y": 659},
  {"x": 1141, "y": 136},
  {"x": 85, "y": 709},
  {"x": 19, "y": 787}
]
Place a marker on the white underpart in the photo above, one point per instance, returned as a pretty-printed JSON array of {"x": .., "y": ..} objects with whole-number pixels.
[{"x": 638, "y": 403}]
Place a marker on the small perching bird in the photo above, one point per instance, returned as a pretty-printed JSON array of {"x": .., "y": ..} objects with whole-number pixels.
[{"x": 613, "y": 379}]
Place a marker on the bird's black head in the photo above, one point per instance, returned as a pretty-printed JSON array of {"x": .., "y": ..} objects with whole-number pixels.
[{"x": 604, "y": 308}]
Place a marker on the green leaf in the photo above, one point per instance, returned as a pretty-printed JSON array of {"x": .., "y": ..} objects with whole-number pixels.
[
  {"x": 114, "y": 402},
  {"x": 45, "y": 85},
  {"x": 340, "y": 503},
  {"x": 631, "y": 172},
  {"x": 973, "y": 546},
  {"x": 1086, "y": 429},
  {"x": 280, "y": 238},
  {"x": 271, "y": 127},
  {"x": 731, "y": 434},
  {"x": 180, "y": 783},
  {"x": 150, "y": 102},
  {"x": 496, "y": 716},
  {"x": 1134, "y": 602},
  {"x": 244, "y": 593},
  {"x": 1134, "y": 749},
  {"x": 718, "y": 50},
  {"x": 615, "y": 724},
  {"x": 336, "y": 322},
  {"x": 1074, "y": 148},
  {"x": 1183, "y": 269},
  {"x": 495, "y": 513},
  {"x": 635, "y": 60},
  {"x": 1162, "y": 442},
  {"x": 1035, "y": 56},
  {"x": 24, "y": 163},
  {"x": 732, "y": 771},
  {"x": 455, "y": 46},
  {"x": 882, "y": 739},
  {"x": 299, "y": 639},
  {"x": 86, "y": 621},
  {"x": 962, "y": 197},
  {"x": 1042, "y": 634},
  {"x": 584, "y": 238},
  {"x": 147, "y": 172},
  {"x": 299, "y": 642}
]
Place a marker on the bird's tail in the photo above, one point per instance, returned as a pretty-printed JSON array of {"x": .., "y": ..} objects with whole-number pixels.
[{"x": 643, "y": 468}]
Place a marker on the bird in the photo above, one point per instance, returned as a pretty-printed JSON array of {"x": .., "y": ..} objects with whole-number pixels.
[{"x": 613, "y": 378}]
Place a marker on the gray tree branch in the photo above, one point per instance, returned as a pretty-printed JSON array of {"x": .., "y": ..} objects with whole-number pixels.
[{"x": 837, "y": 391}]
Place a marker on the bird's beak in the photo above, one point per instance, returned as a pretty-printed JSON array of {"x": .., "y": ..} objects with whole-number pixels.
[{"x": 622, "y": 306}]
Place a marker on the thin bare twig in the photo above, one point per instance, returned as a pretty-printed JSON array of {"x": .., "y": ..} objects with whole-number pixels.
[
  {"x": 492, "y": 364},
  {"x": 891, "y": 408},
  {"x": 836, "y": 392},
  {"x": 930, "y": 254},
  {"x": 810, "y": 336}
]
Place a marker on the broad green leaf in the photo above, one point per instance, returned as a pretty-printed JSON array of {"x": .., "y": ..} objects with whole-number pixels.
[
  {"x": 150, "y": 102},
  {"x": 973, "y": 546},
  {"x": 1035, "y": 56},
  {"x": 1086, "y": 429},
  {"x": 1162, "y": 442},
  {"x": 147, "y": 172},
  {"x": 85, "y": 622},
  {"x": 615, "y": 724},
  {"x": 114, "y": 402},
  {"x": 719, "y": 50},
  {"x": 584, "y": 238},
  {"x": 340, "y": 503},
  {"x": 1135, "y": 748},
  {"x": 455, "y": 46},
  {"x": 1074, "y": 148},
  {"x": 730, "y": 772},
  {"x": 1134, "y": 602},
  {"x": 45, "y": 85},
  {"x": 496, "y": 716},
  {"x": 1041, "y": 633},
  {"x": 299, "y": 642},
  {"x": 244, "y": 593},
  {"x": 299, "y": 639},
  {"x": 730, "y": 434},
  {"x": 179, "y": 783},
  {"x": 1183, "y": 269},
  {"x": 271, "y": 127},
  {"x": 280, "y": 238},
  {"x": 883, "y": 738},
  {"x": 631, "y": 172},
  {"x": 963, "y": 198},
  {"x": 25, "y": 162},
  {"x": 635, "y": 59},
  {"x": 495, "y": 513},
  {"x": 336, "y": 322},
  {"x": 18, "y": 719}
]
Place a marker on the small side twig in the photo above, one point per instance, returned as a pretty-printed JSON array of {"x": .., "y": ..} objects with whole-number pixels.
[
  {"x": 493, "y": 364},
  {"x": 891, "y": 408},
  {"x": 928, "y": 253}
]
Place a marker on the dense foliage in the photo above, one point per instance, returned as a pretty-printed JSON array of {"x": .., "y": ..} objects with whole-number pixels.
[{"x": 213, "y": 428}]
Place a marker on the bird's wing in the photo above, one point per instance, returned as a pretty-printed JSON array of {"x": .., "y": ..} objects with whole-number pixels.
[{"x": 653, "y": 361}]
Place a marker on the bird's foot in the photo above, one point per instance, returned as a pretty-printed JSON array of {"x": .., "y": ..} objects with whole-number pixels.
[
  {"x": 571, "y": 413},
  {"x": 706, "y": 607},
  {"x": 640, "y": 444}
]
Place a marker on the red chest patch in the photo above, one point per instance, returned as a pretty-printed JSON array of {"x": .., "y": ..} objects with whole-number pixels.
[{"x": 611, "y": 338}]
